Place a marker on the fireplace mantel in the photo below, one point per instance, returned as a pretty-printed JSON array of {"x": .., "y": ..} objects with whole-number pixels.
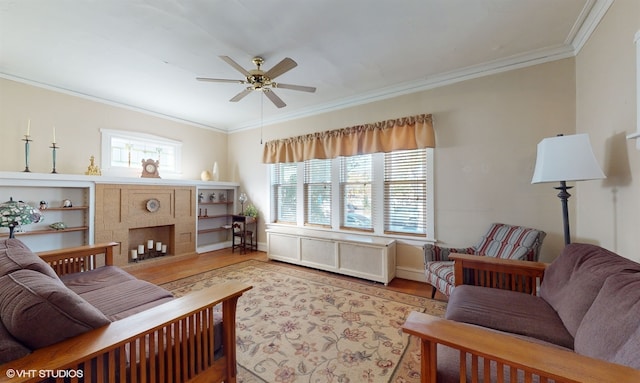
[
  {"x": 118, "y": 204},
  {"x": 33, "y": 178}
]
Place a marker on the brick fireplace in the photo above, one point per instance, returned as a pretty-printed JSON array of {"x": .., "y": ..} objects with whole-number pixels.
[{"x": 124, "y": 214}]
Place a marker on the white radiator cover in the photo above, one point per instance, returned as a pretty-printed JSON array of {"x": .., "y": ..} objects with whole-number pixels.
[{"x": 360, "y": 256}]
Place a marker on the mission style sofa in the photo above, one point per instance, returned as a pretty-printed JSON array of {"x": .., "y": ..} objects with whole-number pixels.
[
  {"x": 71, "y": 315},
  {"x": 574, "y": 320}
]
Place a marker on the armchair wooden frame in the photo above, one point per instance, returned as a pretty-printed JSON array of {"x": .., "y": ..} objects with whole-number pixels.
[
  {"x": 513, "y": 359},
  {"x": 172, "y": 342},
  {"x": 509, "y": 274}
]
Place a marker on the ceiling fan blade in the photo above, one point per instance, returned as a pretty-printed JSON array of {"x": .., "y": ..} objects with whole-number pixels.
[
  {"x": 220, "y": 80},
  {"x": 274, "y": 98},
  {"x": 283, "y": 66},
  {"x": 237, "y": 66},
  {"x": 241, "y": 95},
  {"x": 302, "y": 88}
]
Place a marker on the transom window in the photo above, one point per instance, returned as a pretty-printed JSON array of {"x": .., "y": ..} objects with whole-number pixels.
[{"x": 123, "y": 152}]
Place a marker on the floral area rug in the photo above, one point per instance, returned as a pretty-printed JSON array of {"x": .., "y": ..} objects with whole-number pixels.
[{"x": 306, "y": 326}]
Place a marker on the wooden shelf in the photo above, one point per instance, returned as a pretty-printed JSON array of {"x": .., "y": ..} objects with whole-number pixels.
[
  {"x": 216, "y": 203},
  {"x": 65, "y": 208},
  {"x": 46, "y": 231},
  {"x": 214, "y": 216},
  {"x": 214, "y": 230}
]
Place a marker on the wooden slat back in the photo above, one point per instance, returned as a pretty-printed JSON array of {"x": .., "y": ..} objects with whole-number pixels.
[
  {"x": 79, "y": 259},
  {"x": 476, "y": 368},
  {"x": 520, "y": 276},
  {"x": 487, "y": 356},
  {"x": 172, "y": 342},
  {"x": 177, "y": 352}
]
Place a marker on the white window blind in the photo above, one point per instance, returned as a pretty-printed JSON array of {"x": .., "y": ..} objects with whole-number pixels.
[
  {"x": 284, "y": 191},
  {"x": 317, "y": 192},
  {"x": 405, "y": 189},
  {"x": 356, "y": 203}
]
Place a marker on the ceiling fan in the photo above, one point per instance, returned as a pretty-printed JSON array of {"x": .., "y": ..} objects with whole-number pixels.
[{"x": 259, "y": 80}]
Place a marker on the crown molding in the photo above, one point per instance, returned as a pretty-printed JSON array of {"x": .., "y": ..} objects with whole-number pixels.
[
  {"x": 591, "y": 15},
  {"x": 430, "y": 82},
  {"x": 108, "y": 102}
]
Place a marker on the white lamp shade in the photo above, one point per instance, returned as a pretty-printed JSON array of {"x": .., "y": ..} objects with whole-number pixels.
[{"x": 566, "y": 158}]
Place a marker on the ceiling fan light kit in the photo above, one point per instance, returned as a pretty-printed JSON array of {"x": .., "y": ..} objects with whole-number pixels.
[{"x": 259, "y": 80}]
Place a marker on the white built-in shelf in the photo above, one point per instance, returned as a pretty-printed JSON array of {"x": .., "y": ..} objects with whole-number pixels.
[
  {"x": 33, "y": 187},
  {"x": 47, "y": 231}
]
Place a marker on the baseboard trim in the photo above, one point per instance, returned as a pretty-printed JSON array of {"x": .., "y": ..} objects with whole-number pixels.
[{"x": 410, "y": 273}]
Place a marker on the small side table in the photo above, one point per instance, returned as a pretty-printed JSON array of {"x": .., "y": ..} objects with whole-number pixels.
[{"x": 241, "y": 226}]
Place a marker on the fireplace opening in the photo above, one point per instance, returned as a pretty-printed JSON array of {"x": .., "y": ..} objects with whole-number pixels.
[{"x": 150, "y": 242}]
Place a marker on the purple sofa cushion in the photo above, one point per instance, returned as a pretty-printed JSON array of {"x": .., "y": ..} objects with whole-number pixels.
[
  {"x": 573, "y": 280},
  {"x": 508, "y": 311},
  {"x": 610, "y": 329},
  {"x": 10, "y": 348},
  {"x": 126, "y": 298},
  {"x": 95, "y": 279},
  {"x": 39, "y": 310},
  {"x": 15, "y": 255}
]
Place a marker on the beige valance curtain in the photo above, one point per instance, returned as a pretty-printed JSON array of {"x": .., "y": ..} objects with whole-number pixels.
[{"x": 400, "y": 134}]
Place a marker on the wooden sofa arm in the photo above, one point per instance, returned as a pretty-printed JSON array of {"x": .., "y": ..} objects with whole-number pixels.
[
  {"x": 530, "y": 359},
  {"x": 510, "y": 274},
  {"x": 154, "y": 345},
  {"x": 78, "y": 259}
]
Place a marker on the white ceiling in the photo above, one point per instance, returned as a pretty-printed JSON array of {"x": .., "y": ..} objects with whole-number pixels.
[{"x": 146, "y": 54}]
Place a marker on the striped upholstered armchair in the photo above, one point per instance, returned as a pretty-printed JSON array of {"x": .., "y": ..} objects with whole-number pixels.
[{"x": 501, "y": 241}]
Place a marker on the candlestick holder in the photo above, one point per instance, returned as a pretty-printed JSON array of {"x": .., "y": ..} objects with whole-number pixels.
[
  {"x": 26, "y": 153},
  {"x": 54, "y": 149}
]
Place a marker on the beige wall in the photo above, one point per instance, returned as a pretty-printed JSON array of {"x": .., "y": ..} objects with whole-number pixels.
[
  {"x": 78, "y": 122},
  {"x": 609, "y": 211},
  {"x": 487, "y": 130}
]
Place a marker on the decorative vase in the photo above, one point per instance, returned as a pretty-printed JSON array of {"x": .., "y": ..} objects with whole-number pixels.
[
  {"x": 205, "y": 175},
  {"x": 215, "y": 174}
]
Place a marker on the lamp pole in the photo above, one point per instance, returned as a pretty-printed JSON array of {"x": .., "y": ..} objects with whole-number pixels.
[
  {"x": 562, "y": 159},
  {"x": 564, "y": 196}
]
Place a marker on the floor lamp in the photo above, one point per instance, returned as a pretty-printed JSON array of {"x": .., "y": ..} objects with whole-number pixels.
[{"x": 562, "y": 159}]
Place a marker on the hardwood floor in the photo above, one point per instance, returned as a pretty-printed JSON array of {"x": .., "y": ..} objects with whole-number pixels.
[{"x": 163, "y": 270}]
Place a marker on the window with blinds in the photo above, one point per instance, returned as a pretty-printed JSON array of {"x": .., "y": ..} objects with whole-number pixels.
[
  {"x": 405, "y": 192},
  {"x": 284, "y": 185},
  {"x": 356, "y": 202},
  {"x": 381, "y": 193},
  {"x": 317, "y": 192}
]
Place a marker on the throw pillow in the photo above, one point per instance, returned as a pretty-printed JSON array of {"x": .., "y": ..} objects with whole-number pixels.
[
  {"x": 573, "y": 280},
  {"x": 10, "y": 348},
  {"x": 509, "y": 242},
  {"x": 15, "y": 255},
  {"x": 610, "y": 329},
  {"x": 39, "y": 311}
]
